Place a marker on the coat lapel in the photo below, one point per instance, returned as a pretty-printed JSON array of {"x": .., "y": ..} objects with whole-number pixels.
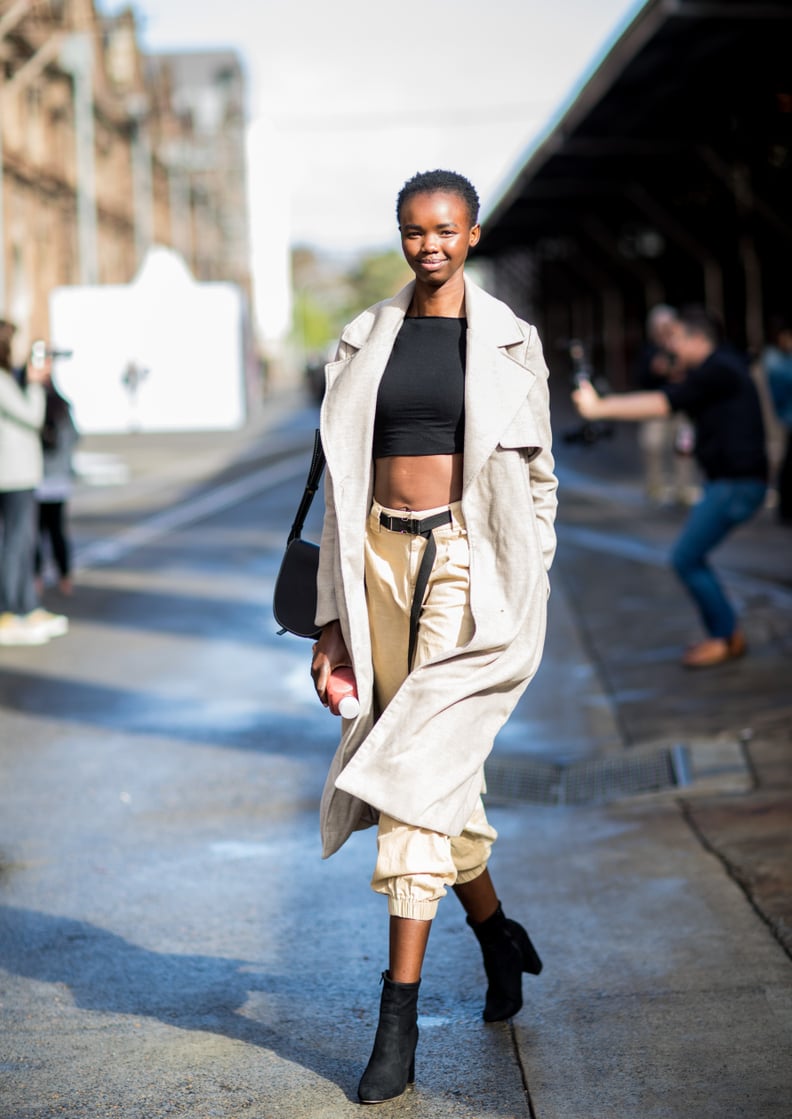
[
  {"x": 350, "y": 400},
  {"x": 496, "y": 385}
]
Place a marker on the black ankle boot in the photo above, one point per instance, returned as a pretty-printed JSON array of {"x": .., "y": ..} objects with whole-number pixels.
[
  {"x": 508, "y": 952},
  {"x": 391, "y": 1066}
]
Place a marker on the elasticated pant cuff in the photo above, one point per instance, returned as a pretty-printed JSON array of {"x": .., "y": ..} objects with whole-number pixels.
[{"x": 415, "y": 910}]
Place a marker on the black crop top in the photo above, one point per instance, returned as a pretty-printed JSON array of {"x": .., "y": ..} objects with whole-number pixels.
[{"x": 421, "y": 398}]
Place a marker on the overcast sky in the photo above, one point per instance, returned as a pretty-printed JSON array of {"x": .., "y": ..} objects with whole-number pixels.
[{"x": 352, "y": 97}]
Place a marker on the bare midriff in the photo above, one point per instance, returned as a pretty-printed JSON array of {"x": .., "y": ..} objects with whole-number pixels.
[{"x": 416, "y": 482}]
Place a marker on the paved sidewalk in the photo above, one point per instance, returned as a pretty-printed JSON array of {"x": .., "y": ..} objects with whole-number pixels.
[
  {"x": 665, "y": 921},
  {"x": 637, "y": 620},
  {"x": 143, "y": 471}
]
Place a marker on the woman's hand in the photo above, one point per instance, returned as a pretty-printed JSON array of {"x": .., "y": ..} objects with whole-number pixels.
[
  {"x": 37, "y": 375},
  {"x": 329, "y": 652}
]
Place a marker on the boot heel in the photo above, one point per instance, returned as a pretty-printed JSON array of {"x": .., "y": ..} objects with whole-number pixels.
[
  {"x": 508, "y": 951},
  {"x": 531, "y": 961}
]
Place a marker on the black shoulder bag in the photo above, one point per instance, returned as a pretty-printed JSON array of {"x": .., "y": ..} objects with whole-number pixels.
[{"x": 294, "y": 599}]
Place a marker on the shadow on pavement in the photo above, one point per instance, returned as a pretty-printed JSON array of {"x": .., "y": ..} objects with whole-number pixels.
[
  {"x": 108, "y": 975},
  {"x": 181, "y": 615},
  {"x": 213, "y": 720}
]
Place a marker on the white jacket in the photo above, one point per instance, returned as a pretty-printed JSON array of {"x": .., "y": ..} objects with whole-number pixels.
[
  {"x": 21, "y": 418},
  {"x": 422, "y": 760}
]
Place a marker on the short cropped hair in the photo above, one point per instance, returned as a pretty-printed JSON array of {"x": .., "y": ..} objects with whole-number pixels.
[
  {"x": 658, "y": 313},
  {"x": 446, "y": 182},
  {"x": 698, "y": 320}
]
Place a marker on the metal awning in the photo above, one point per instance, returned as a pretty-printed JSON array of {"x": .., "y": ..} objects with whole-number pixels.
[{"x": 667, "y": 177}]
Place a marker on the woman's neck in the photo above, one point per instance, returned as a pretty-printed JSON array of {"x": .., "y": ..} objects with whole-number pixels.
[{"x": 440, "y": 302}]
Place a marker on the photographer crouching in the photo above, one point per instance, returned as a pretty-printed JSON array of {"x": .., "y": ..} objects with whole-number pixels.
[{"x": 720, "y": 399}]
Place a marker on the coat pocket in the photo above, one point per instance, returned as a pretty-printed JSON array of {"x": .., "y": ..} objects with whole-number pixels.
[{"x": 522, "y": 434}]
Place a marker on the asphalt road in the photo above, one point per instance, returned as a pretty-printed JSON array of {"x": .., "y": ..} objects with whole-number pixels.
[{"x": 171, "y": 943}]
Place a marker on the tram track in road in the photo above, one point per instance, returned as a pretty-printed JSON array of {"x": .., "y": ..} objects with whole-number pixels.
[
  {"x": 164, "y": 501},
  {"x": 628, "y": 546},
  {"x": 206, "y": 504},
  {"x": 636, "y": 532},
  {"x": 286, "y": 458}
]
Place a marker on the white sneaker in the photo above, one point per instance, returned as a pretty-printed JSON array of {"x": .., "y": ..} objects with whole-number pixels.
[
  {"x": 54, "y": 625},
  {"x": 16, "y": 630}
]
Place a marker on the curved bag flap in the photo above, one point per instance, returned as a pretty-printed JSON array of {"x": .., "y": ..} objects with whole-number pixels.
[{"x": 294, "y": 599}]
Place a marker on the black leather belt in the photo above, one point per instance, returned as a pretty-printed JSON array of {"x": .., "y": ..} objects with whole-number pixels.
[
  {"x": 424, "y": 527},
  {"x": 416, "y": 528}
]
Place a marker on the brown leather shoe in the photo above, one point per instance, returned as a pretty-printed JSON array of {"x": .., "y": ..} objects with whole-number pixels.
[
  {"x": 738, "y": 646},
  {"x": 715, "y": 650}
]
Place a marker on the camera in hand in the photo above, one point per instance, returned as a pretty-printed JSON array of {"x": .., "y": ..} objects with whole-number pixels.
[
  {"x": 40, "y": 352},
  {"x": 588, "y": 432}
]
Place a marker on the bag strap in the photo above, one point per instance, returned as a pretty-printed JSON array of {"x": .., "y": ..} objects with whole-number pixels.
[{"x": 311, "y": 486}]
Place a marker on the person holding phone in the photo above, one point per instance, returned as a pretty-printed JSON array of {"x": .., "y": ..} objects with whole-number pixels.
[{"x": 22, "y": 409}]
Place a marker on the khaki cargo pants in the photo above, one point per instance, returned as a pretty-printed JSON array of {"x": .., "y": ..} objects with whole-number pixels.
[{"x": 414, "y": 865}]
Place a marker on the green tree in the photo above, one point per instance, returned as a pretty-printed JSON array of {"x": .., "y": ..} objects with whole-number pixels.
[
  {"x": 314, "y": 326},
  {"x": 375, "y": 276},
  {"x": 328, "y": 292}
]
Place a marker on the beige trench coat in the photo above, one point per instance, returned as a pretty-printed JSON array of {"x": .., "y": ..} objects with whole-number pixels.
[{"x": 422, "y": 759}]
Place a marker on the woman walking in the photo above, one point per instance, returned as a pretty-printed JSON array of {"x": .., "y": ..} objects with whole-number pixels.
[{"x": 437, "y": 538}]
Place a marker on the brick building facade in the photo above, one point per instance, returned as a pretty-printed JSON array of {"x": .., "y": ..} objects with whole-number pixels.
[{"x": 105, "y": 151}]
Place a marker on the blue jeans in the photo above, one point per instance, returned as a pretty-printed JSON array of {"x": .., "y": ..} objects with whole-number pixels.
[
  {"x": 18, "y": 527},
  {"x": 724, "y": 505}
]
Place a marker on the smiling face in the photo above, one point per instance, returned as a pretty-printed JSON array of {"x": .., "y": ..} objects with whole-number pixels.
[{"x": 436, "y": 236}]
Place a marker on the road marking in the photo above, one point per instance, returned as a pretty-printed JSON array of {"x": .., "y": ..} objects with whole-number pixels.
[
  {"x": 627, "y": 547},
  {"x": 587, "y": 486},
  {"x": 111, "y": 549}
]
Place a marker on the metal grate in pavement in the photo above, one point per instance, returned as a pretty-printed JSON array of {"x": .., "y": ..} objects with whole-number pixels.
[{"x": 517, "y": 777}]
